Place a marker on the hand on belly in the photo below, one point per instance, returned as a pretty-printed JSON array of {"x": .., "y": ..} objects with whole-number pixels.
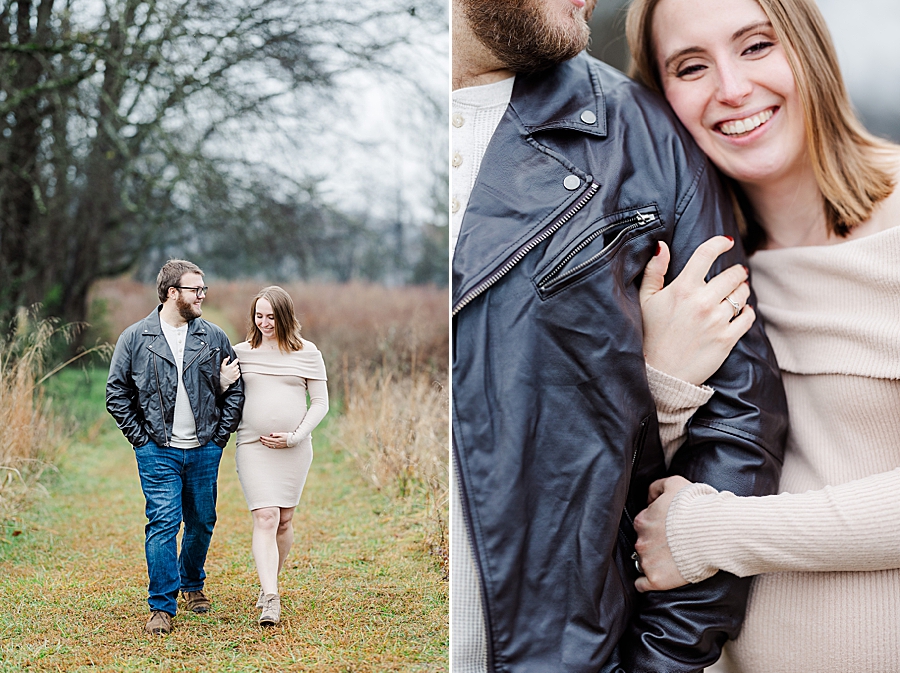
[{"x": 275, "y": 440}]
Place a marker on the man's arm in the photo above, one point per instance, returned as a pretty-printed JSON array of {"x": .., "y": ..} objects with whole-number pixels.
[
  {"x": 230, "y": 401},
  {"x": 122, "y": 394},
  {"x": 735, "y": 443}
]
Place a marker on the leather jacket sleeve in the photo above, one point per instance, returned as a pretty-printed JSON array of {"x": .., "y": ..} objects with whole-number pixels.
[
  {"x": 735, "y": 443},
  {"x": 230, "y": 401},
  {"x": 122, "y": 394}
]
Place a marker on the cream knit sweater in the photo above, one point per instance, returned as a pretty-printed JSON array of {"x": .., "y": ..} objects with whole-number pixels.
[{"x": 833, "y": 316}]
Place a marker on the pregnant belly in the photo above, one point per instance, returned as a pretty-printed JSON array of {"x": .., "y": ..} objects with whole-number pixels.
[{"x": 260, "y": 417}]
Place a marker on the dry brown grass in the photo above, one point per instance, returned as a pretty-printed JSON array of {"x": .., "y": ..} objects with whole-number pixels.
[
  {"x": 359, "y": 594},
  {"x": 30, "y": 436},
  {"x": 397, "y": 429}
]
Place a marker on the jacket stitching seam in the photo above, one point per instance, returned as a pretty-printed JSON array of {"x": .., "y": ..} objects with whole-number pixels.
[
  {"x": 689, "y": 194},
  {"x": 736, "y": 432}
]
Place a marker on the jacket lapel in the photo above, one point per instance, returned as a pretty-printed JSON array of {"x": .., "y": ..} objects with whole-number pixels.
[
  {"x": 195, "y": 341},
  {"x": 523, "y": 186},
  {"x": 156, "y": 341}
]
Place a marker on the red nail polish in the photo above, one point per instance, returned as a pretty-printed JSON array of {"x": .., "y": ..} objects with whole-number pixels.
[
  {"x": 746, "y": 270},
  {"x": 658, "y": 249},
  {"x": 730, "y": 238}
]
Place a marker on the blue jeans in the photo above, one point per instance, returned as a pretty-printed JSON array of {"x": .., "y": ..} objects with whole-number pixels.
[{"x": 179, "y": 485}]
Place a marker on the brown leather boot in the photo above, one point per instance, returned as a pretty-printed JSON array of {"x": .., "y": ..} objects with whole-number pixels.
[
  {"x": 196, "y": 601},
  {"x": 159, "y": 624}
]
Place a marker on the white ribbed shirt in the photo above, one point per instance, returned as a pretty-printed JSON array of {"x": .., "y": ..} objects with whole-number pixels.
[
  {"x": 184, "y": 428},
  {"x": 476, "y": 113}
]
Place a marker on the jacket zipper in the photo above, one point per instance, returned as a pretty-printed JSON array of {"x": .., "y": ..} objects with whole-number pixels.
[
  {"x": 194, "y": 359},
  {"x": 638, "y": 450},
  {"x": 159, "y": 393},
  {"x": 631, "y": 222},
  {"x": 526, "y": 248}
]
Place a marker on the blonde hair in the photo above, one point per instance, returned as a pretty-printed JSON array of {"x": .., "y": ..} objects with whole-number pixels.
[
  {"x": 852, "y": 166},
  {"x": 287, "y": 328}
]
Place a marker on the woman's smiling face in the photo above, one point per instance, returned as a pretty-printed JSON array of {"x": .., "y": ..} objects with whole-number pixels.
[{"x": 726, "y": 75}]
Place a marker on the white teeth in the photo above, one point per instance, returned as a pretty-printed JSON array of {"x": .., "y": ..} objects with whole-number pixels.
[{"x": 745, "y": 125}]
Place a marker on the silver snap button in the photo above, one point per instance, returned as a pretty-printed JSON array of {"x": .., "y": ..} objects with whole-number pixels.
[
  {"x": 572, "y": 182},
  {"x": 588, "y": 117}
]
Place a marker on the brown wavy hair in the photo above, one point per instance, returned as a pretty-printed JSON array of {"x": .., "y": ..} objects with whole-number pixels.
[
  {"x": 852, "y": 166},
  {"x": 287, "y": 327},
  {"x": 170, "y": 275}
]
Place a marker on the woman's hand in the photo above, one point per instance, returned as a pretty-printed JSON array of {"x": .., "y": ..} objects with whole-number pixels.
[
  {"x": 652, "y": 546},
  {"x": 690, "y": 326},
  {"x": 229, "y": 373},
  {"x": 275, "y": 440}
]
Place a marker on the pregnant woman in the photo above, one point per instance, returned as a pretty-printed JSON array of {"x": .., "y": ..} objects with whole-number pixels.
[
  {"x": 274, "y": 447},
  {"x": 758, "y": 86}
]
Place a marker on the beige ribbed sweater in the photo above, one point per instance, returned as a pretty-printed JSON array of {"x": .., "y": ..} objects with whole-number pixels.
[
  {"x": 275, "y": 388},
  {"x": 833, "y": 316}
]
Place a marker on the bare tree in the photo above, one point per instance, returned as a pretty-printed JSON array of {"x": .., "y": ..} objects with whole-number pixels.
[{"x": 116, "y": 118}]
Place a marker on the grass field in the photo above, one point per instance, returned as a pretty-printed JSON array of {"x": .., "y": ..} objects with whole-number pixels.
[{"x": 360, "y": 591}]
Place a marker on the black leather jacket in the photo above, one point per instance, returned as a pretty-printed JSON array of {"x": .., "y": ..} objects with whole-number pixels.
[
  {"x": 143, "y": 382},
  {"x": 555, "y": 433}
]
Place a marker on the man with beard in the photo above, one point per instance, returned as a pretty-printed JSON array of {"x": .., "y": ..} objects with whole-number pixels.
[
  {"x": 567, "y": 179},
  {"x": 163, "y": 390}
]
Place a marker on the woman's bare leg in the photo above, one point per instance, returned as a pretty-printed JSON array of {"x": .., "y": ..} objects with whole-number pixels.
[
  {"x": 266, "y": 549},
  {"x": 285, "y": 536}
]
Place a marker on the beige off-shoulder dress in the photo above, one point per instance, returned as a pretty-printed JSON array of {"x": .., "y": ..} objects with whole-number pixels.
[{"x": 275, "y": 387}]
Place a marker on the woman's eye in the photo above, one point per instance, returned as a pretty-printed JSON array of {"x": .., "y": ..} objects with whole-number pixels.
[
  {"x": 689, "y": 70},
  {"x": 757, "y": 48}
]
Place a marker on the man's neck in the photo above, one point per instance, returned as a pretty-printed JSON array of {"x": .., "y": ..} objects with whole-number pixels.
[
  {"x": 464, "y": 75},
  {"x": 170, "y": 314},
  {"x": 473, "y": 63}
]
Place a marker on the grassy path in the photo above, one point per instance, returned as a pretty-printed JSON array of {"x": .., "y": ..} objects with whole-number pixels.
[{"x": 359, "y": 592}]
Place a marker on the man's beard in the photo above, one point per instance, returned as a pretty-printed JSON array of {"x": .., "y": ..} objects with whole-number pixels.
[
  {"x": 523, "y": 37},
  {"x": 186, "y": 310}
]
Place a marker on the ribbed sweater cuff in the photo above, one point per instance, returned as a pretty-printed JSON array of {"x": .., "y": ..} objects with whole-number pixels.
[
  {"x": 690, "y": 535},
  {"x": 672, "y": 395},
  {"x": 676, "y": 401}
]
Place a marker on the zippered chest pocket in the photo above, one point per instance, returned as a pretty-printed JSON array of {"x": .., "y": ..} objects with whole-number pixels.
[
  {"x": 595, "y": 247},
  {"x": 206, "y": 359}
]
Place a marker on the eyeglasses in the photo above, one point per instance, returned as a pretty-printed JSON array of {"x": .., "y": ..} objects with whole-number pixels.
[{"x": 199, "y": 291}]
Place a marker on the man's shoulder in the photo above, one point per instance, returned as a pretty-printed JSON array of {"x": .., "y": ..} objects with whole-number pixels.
[
  {"x": 634, "y": 110},
  {"x": 585, "y": 71},
  {"x": 213, "y": 331},
  {"x": 627, "y": 107},
  {"x": 624, "y": 96},
  {"x": 144, "y": 325}
]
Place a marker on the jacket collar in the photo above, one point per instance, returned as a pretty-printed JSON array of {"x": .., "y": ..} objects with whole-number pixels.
[
  {"x": 196, "y": 337},
  {"x": 568, "y": 96}
]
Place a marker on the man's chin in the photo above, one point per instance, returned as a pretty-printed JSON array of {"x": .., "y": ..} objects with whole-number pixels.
[
  {"x": 528, "y": 38},
  {"x": 191, "y": 313}
]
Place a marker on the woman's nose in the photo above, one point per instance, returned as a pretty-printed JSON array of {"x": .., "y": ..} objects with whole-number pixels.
[{"x": 734, "y": 86}]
